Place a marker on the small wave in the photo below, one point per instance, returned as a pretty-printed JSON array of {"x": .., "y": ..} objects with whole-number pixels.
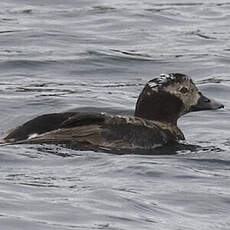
[
  {"x": 124, "y": 55},
  {"x": 216, "y": 162},
  {"x": 23, "y": 63},
  {"x": 102, "y": 9},
  {"x": 8, "y": 19},
  {"x": 215, "y": 80},
  {"x": 21, "y": 11},
  {"x": 180, "y": 4},
  {"x": 10, "y": 31},
  {"x": 202, "y": 35},
  {"x": 132, "y": 53},
  {"x": 120, "y": 85},
  {"x": 212, "y": 80}
]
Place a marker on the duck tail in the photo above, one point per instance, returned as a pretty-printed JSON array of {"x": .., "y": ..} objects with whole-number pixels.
[{"x": 4, "y": 142}]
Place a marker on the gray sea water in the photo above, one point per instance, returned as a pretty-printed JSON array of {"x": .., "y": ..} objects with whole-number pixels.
[{"x": 63, "y": 55}]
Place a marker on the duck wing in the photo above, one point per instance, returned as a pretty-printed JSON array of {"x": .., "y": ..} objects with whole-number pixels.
[{"x": 86, "y": 131}]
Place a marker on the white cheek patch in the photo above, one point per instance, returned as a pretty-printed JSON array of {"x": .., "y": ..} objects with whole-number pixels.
[
  {"x": 195, "y": 99},
  {"x": 188, "y": 99},
  {"x": 173, "y": 89}
]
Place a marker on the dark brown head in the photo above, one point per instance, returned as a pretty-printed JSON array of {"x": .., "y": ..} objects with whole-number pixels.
[{"x": 169, "y": 96}]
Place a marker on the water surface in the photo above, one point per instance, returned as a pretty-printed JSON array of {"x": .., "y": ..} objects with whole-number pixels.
[{"x": 63, "y": 55}]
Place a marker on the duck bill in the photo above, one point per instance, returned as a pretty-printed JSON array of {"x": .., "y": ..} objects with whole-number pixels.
[{"x": 205, "y": 103}]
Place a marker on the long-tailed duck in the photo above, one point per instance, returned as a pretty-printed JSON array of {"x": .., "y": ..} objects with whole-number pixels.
[{"x": 162, "y": 101}]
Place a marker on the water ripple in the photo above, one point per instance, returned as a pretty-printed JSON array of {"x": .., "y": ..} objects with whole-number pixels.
[{"x": 97, "y": 56}]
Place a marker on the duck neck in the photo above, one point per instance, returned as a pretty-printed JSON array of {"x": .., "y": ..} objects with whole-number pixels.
[
  {"x": 158, "y": 106},
  {"x": 172, "y": 129}
]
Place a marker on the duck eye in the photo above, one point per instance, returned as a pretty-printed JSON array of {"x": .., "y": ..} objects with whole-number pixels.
[{"x": 184, "y": 90}]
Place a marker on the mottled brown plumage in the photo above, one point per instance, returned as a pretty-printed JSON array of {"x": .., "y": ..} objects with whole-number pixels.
[{"x": 160, "y": 104}]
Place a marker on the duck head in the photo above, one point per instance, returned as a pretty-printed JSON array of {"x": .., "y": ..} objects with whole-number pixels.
[{"x": 169, "y": 96}]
